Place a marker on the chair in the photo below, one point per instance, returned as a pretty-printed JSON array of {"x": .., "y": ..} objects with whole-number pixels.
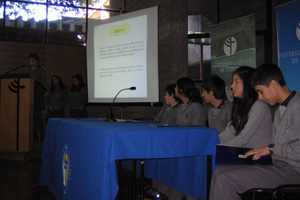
[
  {"x": 282, "y": 192},
  {"x": 290, "y": 191}
]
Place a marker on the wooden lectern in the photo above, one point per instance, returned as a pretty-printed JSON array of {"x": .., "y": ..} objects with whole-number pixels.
[{"x": 16, "y": 113}]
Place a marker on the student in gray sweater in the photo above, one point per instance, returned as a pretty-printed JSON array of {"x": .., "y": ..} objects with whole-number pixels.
[
  {"x": 168, "y": 113},
  {"x": 57, "y": 98},
  {"x": 220, "y": 110},
  {"x": 251, "y": 119},
  {"x": 76, "y": 107},
  {"x": 191, "y": 111},
  {"x": 230, "y": 181}
]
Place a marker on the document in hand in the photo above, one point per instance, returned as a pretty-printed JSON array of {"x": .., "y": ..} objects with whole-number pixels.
[{"x": 230, "y": 155}]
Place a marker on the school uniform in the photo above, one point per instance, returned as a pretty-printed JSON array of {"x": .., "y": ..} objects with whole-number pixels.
[
  {"x": 257, "y": 131},
  {"x": 167, "y": 114},
  {"x": 228, "y": 181},
  {"x": 219, "y": 117},
  {"x": 191, "y": 114}
]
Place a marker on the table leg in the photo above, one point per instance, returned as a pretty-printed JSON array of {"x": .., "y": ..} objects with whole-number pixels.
[
  {"x": 209, "y": 175},
  {"x": 118, "y": 166},
  {"x": 142, "y": 179},
  {"x": 134, "y": 179}
]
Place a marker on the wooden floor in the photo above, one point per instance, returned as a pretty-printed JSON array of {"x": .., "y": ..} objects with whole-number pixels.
[{"x": 19, "y": 181}]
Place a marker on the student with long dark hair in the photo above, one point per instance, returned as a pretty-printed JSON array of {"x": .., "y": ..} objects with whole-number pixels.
[
  {"x": 251, "y": 119},
  {"x": 77, "y": 98},
  {"x": 57, "y": 98},
  {"x": 191, "y": 111},
  {"x": 230, "y": 181}
]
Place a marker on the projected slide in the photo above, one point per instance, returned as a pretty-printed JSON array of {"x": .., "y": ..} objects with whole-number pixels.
[
  {"x": 122, "y": 53},
  {"x": 125, "y": 41}
]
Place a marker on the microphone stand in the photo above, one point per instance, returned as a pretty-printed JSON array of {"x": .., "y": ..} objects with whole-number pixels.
[
  {"x": 110, "y": 116},
  {"x": 12, "y": 70}
]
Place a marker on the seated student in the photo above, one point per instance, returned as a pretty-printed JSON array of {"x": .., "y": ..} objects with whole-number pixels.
[
  {"x": 230, "y": 181},
  {"x": 168, "y": 113},
  {"x": 251, "y": 119},
  {"x": 219, "y": 114},
  {"x": 191, "y": 111}
]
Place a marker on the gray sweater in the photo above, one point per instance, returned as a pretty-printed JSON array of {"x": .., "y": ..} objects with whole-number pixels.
[
  {"x": 192, "y": 114},
  {"x": 39, "y": 74},
  {"x": 257, "y": 131},
  {"x": 286, "y": 133},
  {"x": 219, "y": 117},
  {"x": 77, "y": 99},
  {"x": 167, "y": 115},
  {"x": 58, "y": 97}
]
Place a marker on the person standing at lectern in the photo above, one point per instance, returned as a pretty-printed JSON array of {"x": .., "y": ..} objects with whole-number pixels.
[
  {"x": 39, "y": 74},
  {"x": 36, "y": 71}
]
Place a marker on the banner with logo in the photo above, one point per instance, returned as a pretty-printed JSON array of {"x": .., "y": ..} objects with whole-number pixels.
[
  {"x": 288, "y": 33},
  {"x": 232, "y": 46}
]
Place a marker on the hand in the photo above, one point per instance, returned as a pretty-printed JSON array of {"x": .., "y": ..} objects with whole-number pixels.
[{"x": 257, "y": 152}]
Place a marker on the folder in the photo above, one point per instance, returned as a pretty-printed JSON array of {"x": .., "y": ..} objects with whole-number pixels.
[{"x": 230, "y": 155}]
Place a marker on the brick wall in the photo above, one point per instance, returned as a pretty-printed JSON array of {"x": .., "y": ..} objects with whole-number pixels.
[{"x": 61, "y": 60}]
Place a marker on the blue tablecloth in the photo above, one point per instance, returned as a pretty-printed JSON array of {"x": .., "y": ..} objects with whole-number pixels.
[{"x": 78, "y": 158}]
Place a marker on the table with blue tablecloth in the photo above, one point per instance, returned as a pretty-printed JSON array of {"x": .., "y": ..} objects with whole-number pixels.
[{"x": 79, "y": 156}]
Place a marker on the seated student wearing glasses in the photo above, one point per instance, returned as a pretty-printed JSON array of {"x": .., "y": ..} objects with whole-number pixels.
[
  {"x": 230, "y": 181},
  {"x": 219, "y": 113}
]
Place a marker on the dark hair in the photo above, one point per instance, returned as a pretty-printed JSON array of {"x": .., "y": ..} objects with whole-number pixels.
[
  {"x": 34, "y": 55},
  {"x": 170, "y": 89},
  {"x": 81, "y": 83},
  {"x": 60, "y": 84},
  {"x": 241, "y": 107},
  {"x": 217, "y": 85},
  {"x": 187, "y": 87},
  {"x": 265, "y": 73}
]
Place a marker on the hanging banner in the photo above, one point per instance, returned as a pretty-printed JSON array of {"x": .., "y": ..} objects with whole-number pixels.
[
  {"x": 232, "y": 46},
  {"x": 288, "y": 34}
]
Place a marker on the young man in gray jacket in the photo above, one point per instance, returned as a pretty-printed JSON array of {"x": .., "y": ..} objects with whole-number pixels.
[
  {"x": 219, "y": 113},
  {"x": 230, "y": 181}
]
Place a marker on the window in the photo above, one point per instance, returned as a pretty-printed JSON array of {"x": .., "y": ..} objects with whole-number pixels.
[
  {"x": 52, "y": 21},
  {"x": 199, "y": 49}
]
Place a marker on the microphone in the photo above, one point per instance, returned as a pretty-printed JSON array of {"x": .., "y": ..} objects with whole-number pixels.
[
  {"x": 110, "y": 116},
  {"x": 21, "y": 66}
]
